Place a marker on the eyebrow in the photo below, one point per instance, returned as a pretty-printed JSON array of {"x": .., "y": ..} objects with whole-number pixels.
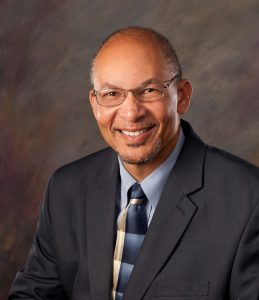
[
  {"x": 148, "y": 81},
  {"x": 108, "y": 85}
]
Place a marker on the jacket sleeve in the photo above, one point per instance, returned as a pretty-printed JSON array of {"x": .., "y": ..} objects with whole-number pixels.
[
  {"x": 40, "y": 279},
  {"x": 245, "y": 272}
]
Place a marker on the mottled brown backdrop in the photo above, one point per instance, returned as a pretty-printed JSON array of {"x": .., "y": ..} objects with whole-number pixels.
[{"x": 45, "y": 118}]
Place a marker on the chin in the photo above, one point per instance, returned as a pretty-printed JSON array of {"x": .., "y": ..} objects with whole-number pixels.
[{"x": 135, "y": 158}]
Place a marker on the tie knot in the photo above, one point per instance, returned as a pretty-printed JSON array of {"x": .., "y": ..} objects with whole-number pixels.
[{"x": 136, "y": 192}]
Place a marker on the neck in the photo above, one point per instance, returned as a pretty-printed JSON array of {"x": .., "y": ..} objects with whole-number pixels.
[{"x": 139, "y": 172}]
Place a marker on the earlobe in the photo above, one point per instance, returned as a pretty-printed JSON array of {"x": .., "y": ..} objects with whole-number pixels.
[
  {"x": 91, "y": 97},
  {"x": 184, "y": 96},
  {"x": 92, "y": 102}
]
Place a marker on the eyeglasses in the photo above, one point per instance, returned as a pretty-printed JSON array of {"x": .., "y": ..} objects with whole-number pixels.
[{"x": 148, "y": 93}]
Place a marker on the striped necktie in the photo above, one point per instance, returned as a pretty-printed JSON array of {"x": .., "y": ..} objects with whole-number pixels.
[{"x": 132, "y": 227}]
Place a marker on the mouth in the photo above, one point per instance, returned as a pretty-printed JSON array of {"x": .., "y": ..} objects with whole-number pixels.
[
  {"x": 138, "y": 135},
  {"x": 134, "y": 133}
]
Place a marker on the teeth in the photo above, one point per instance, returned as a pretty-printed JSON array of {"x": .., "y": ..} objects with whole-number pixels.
[{"x": 134, "y": 133}]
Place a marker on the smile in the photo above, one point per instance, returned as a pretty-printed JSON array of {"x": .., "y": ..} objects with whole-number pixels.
[{"x": 134, "y": 133}]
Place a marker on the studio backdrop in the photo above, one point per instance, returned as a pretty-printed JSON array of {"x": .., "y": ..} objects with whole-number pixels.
[{"x": 45, "y": 117}]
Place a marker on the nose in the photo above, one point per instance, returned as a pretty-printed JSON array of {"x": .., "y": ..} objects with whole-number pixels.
[{"x": 132, "y": 109}]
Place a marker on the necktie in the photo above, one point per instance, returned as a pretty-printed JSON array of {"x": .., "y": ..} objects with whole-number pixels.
[{"x": 132, "y": 227}]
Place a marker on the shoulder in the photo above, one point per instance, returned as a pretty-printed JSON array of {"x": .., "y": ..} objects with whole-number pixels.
[
  {"x": 232, "y": 179},
  {"x": 217, "y": 161},
  {"x": 223, "y": 162},
  {"x": 86, "y": 167}
]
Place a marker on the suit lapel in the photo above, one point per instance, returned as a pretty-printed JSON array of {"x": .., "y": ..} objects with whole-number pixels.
[
  {"x": 101, "y": 203},
  {"x": 172, "y": 216},
  {"x": 171, "y": 219}
]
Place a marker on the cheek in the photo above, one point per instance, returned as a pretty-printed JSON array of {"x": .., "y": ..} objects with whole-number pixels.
[
  {"x": 172, "y": 105},
  {"x": 99, "y": 114},
  {"x": 167, "y": 114},
  {"x": 168, "y": 121},
  {"x": 104, "y": 117}
]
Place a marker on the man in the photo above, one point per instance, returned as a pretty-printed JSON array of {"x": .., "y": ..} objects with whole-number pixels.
[{"x": 161, "y": 215}]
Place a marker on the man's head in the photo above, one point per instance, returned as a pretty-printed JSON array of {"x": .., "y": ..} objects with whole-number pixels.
[
  {"x": 140, "y": 33},
  {"x": 140, "y": 61}
]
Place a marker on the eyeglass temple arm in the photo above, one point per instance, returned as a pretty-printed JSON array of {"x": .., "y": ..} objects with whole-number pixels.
[{"x": 168, "y": 82}]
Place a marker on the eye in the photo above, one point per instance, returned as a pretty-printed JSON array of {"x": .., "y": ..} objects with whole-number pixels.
[
  {"x": 149, "y": 90},
  {"x": 110, "y": 93}
]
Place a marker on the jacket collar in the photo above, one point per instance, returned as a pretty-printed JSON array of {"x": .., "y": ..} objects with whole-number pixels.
[{"x": 173, "y": 215}]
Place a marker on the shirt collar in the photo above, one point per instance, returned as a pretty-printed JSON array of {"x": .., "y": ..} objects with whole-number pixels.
[{"x": 154, "y": 183}]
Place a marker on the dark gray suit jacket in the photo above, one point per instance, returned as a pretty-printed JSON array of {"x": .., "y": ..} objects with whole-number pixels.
[{"x": 202, "y": 243}]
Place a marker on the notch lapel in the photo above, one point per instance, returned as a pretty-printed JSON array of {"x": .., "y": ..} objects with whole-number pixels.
[
  {"x": 172, "y": 216},
  {"x": 101, "y": 204}
]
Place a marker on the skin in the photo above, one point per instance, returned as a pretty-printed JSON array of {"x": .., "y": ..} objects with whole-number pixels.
[{"x": 127, "y": 62}]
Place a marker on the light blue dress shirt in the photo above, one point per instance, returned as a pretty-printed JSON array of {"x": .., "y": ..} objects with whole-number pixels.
[{"x": 154, "y": 183}]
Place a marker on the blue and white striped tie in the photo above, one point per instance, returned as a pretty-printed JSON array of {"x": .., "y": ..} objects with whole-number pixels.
[{"x": 132, "y": 227}]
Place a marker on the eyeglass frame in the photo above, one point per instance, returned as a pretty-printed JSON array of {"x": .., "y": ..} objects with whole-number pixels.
[{"x": 165, "y": 84}]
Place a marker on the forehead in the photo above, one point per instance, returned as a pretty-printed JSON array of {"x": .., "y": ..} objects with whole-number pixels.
[{"x": 127, "y": 62}]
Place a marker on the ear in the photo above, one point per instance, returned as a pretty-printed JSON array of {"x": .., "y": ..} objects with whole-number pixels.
[
  {"x": 184, "y": 89},
  {"x": 92, "y": 99}
]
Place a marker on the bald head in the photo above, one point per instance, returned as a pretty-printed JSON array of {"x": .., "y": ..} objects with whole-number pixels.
[{"x": 143, "y": 37}]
